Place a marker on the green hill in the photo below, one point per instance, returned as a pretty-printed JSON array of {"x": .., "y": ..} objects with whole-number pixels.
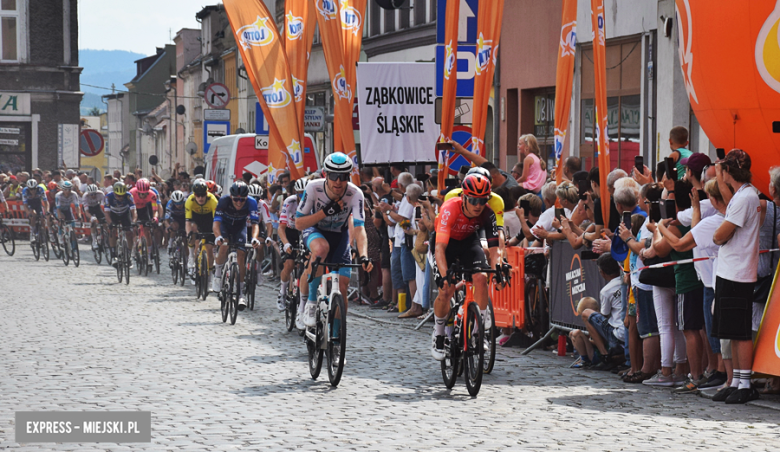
[{"x": 102, "y": 68}]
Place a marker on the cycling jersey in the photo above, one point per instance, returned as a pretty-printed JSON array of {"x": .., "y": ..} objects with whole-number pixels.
[
  {"x": 33, "y": 194},
  {"x": 229, "y": 216},
  {"x": 191, "y": 206},
  {"x": 263, "y": 213},
  {"x": 452, "y": 223},
  {"x": 315, "y": 198},
  {"x": 118, "y": 204},
  {"x": 159, "y": 198},
  {"x": 287, "y": 214},
  {"x": 496, "y": 204},
  {"x": 142, "y": 202},
  {"x": 174, "y": 210},
  {"x": 64, "y": 202},
  {"x": 93, "y": 199}
]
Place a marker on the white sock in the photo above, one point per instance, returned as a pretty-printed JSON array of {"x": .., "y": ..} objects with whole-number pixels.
[
  {"x": 241, "y": 288},
  {"x": 192, "y": 254},
  {"x": 744, "y": 379},
  {"x": 283, "y": 290},
  {"x": 302, "y": 302},
  {"x": 218, "y": 270},
  {"x": 736, "y": 374},
  {"x": 482, "y": 313},
  {"x": 440, "y": 323}
]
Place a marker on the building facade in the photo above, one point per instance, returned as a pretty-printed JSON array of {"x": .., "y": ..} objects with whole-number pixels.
[{"x": 39, "y": 84}]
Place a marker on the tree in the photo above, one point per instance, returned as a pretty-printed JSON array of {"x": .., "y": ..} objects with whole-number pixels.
[{"x": 95, "y": 111}]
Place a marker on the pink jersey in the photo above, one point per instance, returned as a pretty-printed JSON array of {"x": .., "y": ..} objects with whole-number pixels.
[{"x": 142, "y": 202}]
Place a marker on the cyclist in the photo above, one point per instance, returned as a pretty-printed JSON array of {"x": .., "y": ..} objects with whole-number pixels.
[
  {"x": 121, "y": 209},
  {"x": 495, "y": 202},
  {"x": 93, "y": 200},
  {"x": 323, "y": 217},
  {"x": 457, "y": 238},
  {"x": 158, "y": 233},
  {"x": 63, "y": 202},
  {"x": 230, "y": 222},
  {"x": 34, "y": 198},
  {"x": 146, "y": 208},
  {"x": 256, "y": 192},
  {"x": 50, "y": 194},
  {"x": 288, "y": 238},
  {"x": 199, "y": 212},
  {"x": 174, "y": 217}
]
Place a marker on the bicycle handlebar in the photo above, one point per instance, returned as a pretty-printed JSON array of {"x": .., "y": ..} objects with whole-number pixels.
[
  {"x": 332, "y": 265},
  {"x": 501, "y": 272}
]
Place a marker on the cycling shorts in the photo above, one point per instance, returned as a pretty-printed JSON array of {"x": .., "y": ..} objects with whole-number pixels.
[
  {"x": 65, "y": 214},
  {"x": 143, "y": 215},
  {"x": 97, "y": 212},
  {"x": 36, "y": 205},
  {"x": 294, "y": 237},
  {"x": 123, "y": 219},
  {"x": 178, "y": 219},
  {"x": 234, "y": 234},
  {"x": 204, "y": 223},
  {"x": 468, "y": 252},
  {"x": 338, "y": 245}
]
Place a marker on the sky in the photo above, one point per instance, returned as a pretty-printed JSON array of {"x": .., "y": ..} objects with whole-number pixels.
[{"x": 135, "y": 25}]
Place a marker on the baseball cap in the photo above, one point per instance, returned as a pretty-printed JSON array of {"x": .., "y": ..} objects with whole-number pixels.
[
  {"x": 738, "y": 158},
  {"x": 12, "y": 178},
  {"x": 696, "y": 162}
]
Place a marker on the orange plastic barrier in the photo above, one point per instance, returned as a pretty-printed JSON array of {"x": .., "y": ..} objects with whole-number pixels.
[
  {"x": 16, "y": 218},
  {"x": 509, "y": 303}
]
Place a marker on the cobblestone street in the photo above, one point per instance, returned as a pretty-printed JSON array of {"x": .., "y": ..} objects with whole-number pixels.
[{"x": 75, "y": 340}]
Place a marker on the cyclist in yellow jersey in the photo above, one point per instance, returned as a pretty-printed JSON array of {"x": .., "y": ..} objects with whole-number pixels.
[
  {"x": 495, "y": 202},
  {"x": 199, "y": 212}
]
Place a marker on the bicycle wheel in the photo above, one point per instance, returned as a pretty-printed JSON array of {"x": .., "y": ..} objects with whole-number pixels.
[
  {"x": 65, "y": 250},
  {"x": 145, "y": 256},
  {"x": 291, "y": 308},
  {"x": 44, "y": 237},
  {"x": 7, "y": 239},
  {"x": 337, "y": 339},
  {"x": 126, "y": 255},
  {"x": 74, "y": 249},
  {"x": 490, "y": 338},
  {"x": 36, "y": 247},
  {"x": 198, "y": 285},
  {"x": 250, "y": 282},
  {"x": 120, "y": 265},
  {"x": 224, "y": 300},
  {"x": 204, "y": 274},
  {"x": 55, "y": 244},
  {"x": 315, "y": 353},
  {"x": 473, "y": 334},
  {"x": 156, "y": 256},
  {"x": 234, "y": 292},
  {"x": 449, "y": 365},
  {"x": 183, "y": 250}
]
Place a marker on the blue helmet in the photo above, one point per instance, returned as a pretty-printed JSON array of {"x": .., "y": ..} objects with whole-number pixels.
[{"x": 338, "y": 162}]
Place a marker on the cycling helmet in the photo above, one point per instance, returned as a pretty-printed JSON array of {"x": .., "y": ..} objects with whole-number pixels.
[
  {"x": 218, "y": 191},
  {"x": 67, "y": 185},
  {"x": 211, "y": 186},
  {"x": 300, "y": 184},
  {"x": 476, "y": 186},
  {"x": 92, "y": 188},
  {"x": 481, "y": 171},
  {"x": 338, "y": 162},
  {"x": 255, "y": 191},
  {"x": 199, "y": 187},
  {"x": 52, "y": 185},
  {"x": 239, "y": 188},
  {"x": 32, "y": 183},
  {"x": 142, "y": 185},
  {"x": 120, "y": 188},
  {"x": 177, "y": 196}
]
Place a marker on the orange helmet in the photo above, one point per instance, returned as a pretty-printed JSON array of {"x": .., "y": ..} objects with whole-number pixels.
[
  {"x": 53, "y": 185},
  {"x": 476, "y": 186},
  {"x": 211, "y": 186}
]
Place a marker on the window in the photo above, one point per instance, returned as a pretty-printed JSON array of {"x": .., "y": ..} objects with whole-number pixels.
[
  {"x": 418, "y": 6},
  {"x": 9, "y": 30},
  {"x": 432, "y": 7},
  {"x": 406, "y": 15},
  {"x": 544, "y": 124},
  {"x": 389, "y": 21},
  {"x": 376, "y": 19}
]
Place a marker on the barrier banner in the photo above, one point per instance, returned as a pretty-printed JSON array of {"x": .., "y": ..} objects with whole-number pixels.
[
  {"x": 488, "y": 31},
  {"x": 396, "y": 103},
  {"x": 572, "y": 279},
  {"x": 509, "y": 303},
  {"x": 766, "y": 353},
  {"x": 564, "y": 81},
  {"x": 450, "y": 86},
  {"x": 600, "y": 77},
  {"x": 16, "y": 218},
  {"x": 329, "y": 21},
  {"x": 269, "y": 71},
  {"x": 298, "y": 36}
]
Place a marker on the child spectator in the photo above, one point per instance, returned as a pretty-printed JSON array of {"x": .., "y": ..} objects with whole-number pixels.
[{"x": 606, "y": 326}]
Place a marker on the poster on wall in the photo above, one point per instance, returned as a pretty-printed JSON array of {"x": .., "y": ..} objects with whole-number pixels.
[
  {"x": 68, "y": 145},
  {"x": 572, "y": 279},
  {"x": 397, "y": 108}
]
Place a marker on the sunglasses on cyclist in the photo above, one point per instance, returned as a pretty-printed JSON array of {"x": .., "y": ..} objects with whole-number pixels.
[
  {"x": 200, "y": 195},
  {"x": 238, "y": 198},
  {"x": 476, "y": 201},
  {"x": 338, "y": 176}
]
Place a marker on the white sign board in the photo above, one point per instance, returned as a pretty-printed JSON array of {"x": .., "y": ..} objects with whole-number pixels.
[
  {"x": 261, "y": 141},
  {"x": 396, "y": 103},
  {"x": 68, "y": 145},
  {"x": 313, "y": 119},
  {"x": 216, "y": 115},
  {"x": 15, "y": 104}
]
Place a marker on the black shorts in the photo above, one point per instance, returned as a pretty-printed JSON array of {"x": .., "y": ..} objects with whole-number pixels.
[
  {"x": 690, "y": 310},
  {"x": 97, "y": 212},
  {"x": 293, "y": 236},
  {"x": 35, "y": 205},
  {"x": 143, "y": 215},
  {"x": 468, "y": 252},
  {"x": 179, "y": 220},
  {"x": 123, "y": 219},
  {"x": 204, "y": 223},
  {"x": 65, "y": 214},
  {"x": 733, "y": 318},
  {"x": 384, "y": 251}
]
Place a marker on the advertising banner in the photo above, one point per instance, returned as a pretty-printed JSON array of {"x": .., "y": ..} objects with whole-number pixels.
[
  {"x": 489, "y": 26},
  {"x": 600, "y": 70},
  {"x": 449, "y": 84},
  {"x": 564, "y": 80},
  {"x": 766, "y": 354},
  {"x": 572, "y": 279},
  {"x": 268, "y": 70},
  {"x": 396, "y": 103},
  {"x": 298, "y": 36}
]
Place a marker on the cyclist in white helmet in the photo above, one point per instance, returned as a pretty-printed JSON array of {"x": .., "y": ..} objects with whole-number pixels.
[
  {"x": 288, "y": 239},
  {"x": 93, "y": 201}
]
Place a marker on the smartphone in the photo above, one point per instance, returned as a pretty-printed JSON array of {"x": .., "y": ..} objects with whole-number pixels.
[
  {"x": 702, "y": 194},
  {"x": 451, "y": 183},
  {"x": 417, "y": 212},
  {"x": 670, "y": 165},
  {"x": 526, "y": 206},
  {"x": 442, "y": 146},
  {"x": 422, "y": 198},
  {"x": 589, "y": 255},
  {"x": 422, "y": 177},
  {"x": 583, "y": 187},
  {"x": 559, "y": 213},
  {"x": 639, "y": 164},
  {"x": 721, "y": 153},
  {"x": 670, "y": 209},
  {"x": 655, "y": 212}
]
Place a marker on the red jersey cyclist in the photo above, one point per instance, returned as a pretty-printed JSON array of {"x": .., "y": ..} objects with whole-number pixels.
[
  {"x": 457, "y": 239},
  {"x": 145, "y": 202}
]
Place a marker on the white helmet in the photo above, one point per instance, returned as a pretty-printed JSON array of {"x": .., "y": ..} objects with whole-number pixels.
[
  {"x": 218, "y": 192},
  {"x": 300, "y": 184},
  {"x": 255, "y": 191},
  {"x": 32, "y": 183},
  {"x": 177, "y": 196},
  {"x": 338, "y": 162},
  {"x": 92, "y": 188}
]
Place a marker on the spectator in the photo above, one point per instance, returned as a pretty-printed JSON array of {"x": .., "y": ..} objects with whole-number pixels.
[
  {"x": 366, "y": 175},
  {"x": 606, "y": 326},
  {"x": 13, "y": 191},
  {"x": 108, "y": 184},
  {"x": 581, "y": 342},
  {"x": 570, "y": 167},
  {"x": 381, "y": 190},
  {"x": 372, "y": 280},
  {"x": 533, "y": 176},
  {"x": 678, "y": 143},
  {"x": 400, "y": 218},
  {"x": 130, "y": 180},
  {"x": 517, "y": 171},
  {"x": 527, "y": 220},
  {"x": 83, "y": 182},
  {"x": 547, "y": 226},
  {"x": 396, "y": 169},
  {"x": 404, "y": 236}
]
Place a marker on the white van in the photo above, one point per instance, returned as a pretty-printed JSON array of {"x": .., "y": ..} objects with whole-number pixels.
[{"x": 232, "y": 155}]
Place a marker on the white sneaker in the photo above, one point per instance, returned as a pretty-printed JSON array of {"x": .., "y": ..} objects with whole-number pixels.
[
  {"x": 299, "y": 320},
  {"x": 241, "y": 303},
  {"x": 260, "y": 279},
  {"x": 214, "y": 283},
  {"x": 438, "y": 353},
  {"x": 280, "y": 304},
  {"x": 95, "y": 245},
  {"x": 310, "y": 314}
]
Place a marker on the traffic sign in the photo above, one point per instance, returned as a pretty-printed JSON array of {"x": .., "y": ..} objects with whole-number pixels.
[
  {"x": 467, "y": 64},
  {"x": 261, "y": 125},
  {"x": 212, "y": 130},
  {"x": 217, "y": 95},
  {"x": 216, "y": 115},
  {"x": 464, "y": 107},
  {"x": 462, "y": 135},
  {"x": 91, "y": 142},
  {"x": 467, "y": 21},
  {"x": 261, "y": 141},
  {"x": 313, "y": 119}
]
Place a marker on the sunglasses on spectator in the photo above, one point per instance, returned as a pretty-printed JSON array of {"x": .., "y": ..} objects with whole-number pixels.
[
  {"x": 338, "y": 176},
  {"x": 476, "y": 201},
  {"x": 238, "y": 198}
]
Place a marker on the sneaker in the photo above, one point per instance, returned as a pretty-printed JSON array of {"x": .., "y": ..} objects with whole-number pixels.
[
  {"x": 660, "y": 379},
  {"x": 741, "y": 396},
  {"x": 114, "y": 262},
  {"x": 310, "y": 314},
  {"x": 95, "y": 245},
  {"x": 260, "y": 279},
  {"x": 214, "y": 283},
  {"x": 241, "y": 303},
  {"x": 437, "y": 349},
  {"x": 32, "y": 238},
  {"x": 715, "y": 380},
  {"x": 723, "y": 394},
  {"x": 299, "y": 321},
  {"x": 690, "y": 387},
  {"x": 280, "y": 304},
  {"x": 379, "y": 304}
]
